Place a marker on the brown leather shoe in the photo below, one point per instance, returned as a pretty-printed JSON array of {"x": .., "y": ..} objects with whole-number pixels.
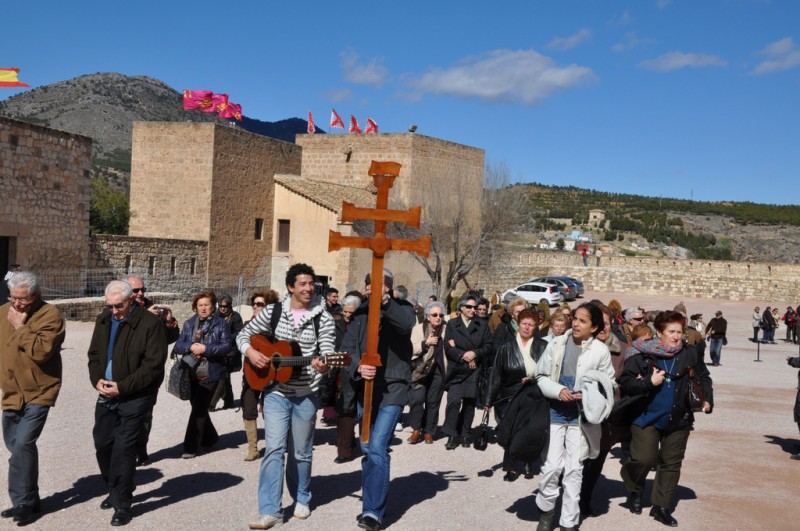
[
  {"x": 429, "y": 439},
  {"x": 415, "y": 437}
]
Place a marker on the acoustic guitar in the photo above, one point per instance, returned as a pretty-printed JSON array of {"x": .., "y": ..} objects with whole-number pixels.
[{"x": 285, "y": 357}]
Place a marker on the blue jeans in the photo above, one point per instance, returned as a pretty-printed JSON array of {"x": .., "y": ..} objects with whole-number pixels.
[
  {"x": 285, "y": 417},
  {"x": 21, "y": 430},
  {"x": 715, "y": 350},
  {"x": 376, "y": 461}
]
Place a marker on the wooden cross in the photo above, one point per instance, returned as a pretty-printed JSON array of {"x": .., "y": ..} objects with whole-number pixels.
[{"x": 383, "y": 174}]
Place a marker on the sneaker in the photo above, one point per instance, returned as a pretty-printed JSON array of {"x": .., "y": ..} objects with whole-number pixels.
[
  {"x": 266, "y": 522},
  {"x": 301, "y": 511},
  {"x": 796, "y": 457},
  {"x": 187, "y": 455},
  {"x": 398, "y": 426}
]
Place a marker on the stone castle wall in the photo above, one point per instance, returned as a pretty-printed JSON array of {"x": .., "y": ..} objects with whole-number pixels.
[
  {"x": 44, "y": 186},
  {"x": 738, "y": 281},
  {"x": 171, "y": 168},
  {"x": 345, "y": 159},
  {"x": 166, "y": 265},
  {"x": 243, "y": 190}
]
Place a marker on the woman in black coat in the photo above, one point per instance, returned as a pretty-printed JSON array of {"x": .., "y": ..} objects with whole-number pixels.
[
  {"x": 655, "y": 384},
  {"x": 204, "y": 344},
  {"x": 514, "y": 366}
]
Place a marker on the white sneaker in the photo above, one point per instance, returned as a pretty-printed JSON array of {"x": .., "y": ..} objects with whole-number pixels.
[
  {"x": 398, "y": 426},
  {"x": 266, "y": 522},
  {"x": 301, "y": 511}
]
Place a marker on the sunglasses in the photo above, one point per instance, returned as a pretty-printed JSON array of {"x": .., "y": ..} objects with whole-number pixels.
[
  {"x": 469, "y": 307},
  {"x": 137, "y": 290},
  {"x": 259, "y": 304},
  {"x": 226, "y": 306},
  {"x": 435, "y": 314},
  {"x": 119, "y": 306}
]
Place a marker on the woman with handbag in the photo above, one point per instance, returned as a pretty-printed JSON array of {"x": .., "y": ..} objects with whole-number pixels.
[
  {"x": 514, "y": 366},
  {"x": 428, "y": 370},
  {"x": 204, "y": 344},
  {"x": 656, "y": 384}
]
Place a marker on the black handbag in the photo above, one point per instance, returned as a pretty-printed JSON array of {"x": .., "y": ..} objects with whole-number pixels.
[
  {"x": 695, "y": 396},
  {"x": 177, "y": 380},
  {"x": 480, "y": 439}
]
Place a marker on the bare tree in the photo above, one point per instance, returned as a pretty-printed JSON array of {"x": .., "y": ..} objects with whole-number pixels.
[{"x": 463, "y": 221}]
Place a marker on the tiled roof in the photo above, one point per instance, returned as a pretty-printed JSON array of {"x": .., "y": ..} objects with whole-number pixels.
[{"x": 326, "y": 194}]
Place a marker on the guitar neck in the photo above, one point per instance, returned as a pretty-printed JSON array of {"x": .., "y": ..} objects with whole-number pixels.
[{"x": 298, "y": 361}]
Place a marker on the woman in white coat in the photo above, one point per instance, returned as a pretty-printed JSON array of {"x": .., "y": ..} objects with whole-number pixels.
[{"x": 559, "y": 371}]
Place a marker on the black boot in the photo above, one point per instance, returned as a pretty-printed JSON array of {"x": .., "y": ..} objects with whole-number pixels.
[
  {"x": 545, "y": 520},
  {"x": 452, "y": 443},
  {"x": 635, "y": 502},
  {"x": 663, "y": 515},
  {"x": 528, "y": 470}
]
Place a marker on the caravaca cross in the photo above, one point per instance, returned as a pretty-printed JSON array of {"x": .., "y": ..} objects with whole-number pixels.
[{"x": 383, "y": 175}]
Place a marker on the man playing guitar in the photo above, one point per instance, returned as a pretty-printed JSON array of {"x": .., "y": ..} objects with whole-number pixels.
[{"x": 290, "y": 407}]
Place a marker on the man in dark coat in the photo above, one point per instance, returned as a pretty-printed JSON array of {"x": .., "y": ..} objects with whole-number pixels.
[
  {"x": 126, "y": 367},
  {"x": 390, "y": 391},
  {"x": 466, "y": 343}
]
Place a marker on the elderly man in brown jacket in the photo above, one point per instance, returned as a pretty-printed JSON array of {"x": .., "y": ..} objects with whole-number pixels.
[{"x": 31, "y": 335}]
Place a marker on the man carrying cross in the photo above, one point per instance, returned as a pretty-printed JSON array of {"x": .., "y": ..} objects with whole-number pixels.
[{"x": 390, "y": 393}]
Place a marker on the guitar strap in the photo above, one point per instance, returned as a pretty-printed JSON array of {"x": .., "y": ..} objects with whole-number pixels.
[{"x": 277, "y": 310}]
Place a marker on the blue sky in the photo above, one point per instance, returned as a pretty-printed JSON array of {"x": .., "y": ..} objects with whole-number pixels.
[{"x": 674, "y": 98}]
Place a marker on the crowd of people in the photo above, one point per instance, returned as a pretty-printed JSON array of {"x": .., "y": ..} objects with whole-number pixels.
[
  {"x": 769, "y": 322},
  {"x": 565, "y": 386}
]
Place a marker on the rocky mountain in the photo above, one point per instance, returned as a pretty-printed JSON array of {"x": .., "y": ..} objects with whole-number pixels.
[{"x": 104, "y": 106}]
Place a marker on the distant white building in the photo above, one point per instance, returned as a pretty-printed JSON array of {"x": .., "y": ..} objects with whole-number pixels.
[{"x": 569, "y": 245}]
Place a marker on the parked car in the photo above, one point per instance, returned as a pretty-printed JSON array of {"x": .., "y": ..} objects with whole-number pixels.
[
  {"x": 578, "y": 283},
  {"x": 533, "y": 292},
  {"x": 567, "y": 289}
]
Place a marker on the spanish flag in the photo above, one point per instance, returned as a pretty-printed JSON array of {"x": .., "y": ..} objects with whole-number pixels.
[{"x": 8, "y": 78}]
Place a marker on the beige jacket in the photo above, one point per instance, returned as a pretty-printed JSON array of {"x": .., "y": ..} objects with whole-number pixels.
[{"x": 30, "y": 357}]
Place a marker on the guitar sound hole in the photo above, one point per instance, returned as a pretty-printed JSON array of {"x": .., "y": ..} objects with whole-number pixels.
[{"x": 276, "y": 361}]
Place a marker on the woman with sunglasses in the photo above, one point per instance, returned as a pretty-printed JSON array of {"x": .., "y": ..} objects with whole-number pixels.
[
  {"x": 251, "y": 397},
  {"x": 224, "y": 389},
  {"x": 654, "y": 386},
  {"x": 428, "y": 364},
  {"x": 204, "y": 343}
]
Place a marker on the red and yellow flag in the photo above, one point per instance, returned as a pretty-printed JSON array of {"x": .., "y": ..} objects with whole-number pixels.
[
  {"x": 197, "y": 99},
  {"x": 8, "y": 78}
]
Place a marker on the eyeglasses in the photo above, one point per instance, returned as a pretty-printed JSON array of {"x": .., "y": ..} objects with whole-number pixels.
[
  {"x": 469, "y": 307},
  {"x": 137, "y": 290},
  {"x": 226, "y": 306},
  {"x": 20, "y": 299},
  {"x": 435, "y": 314},
  {"x": 259, "y": 304},
  {"x": 637, "y": 318},
  {"x": 119, "y": 306}
]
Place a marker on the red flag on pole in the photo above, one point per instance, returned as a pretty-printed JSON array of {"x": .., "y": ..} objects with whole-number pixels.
[
  {"x": 372, "y": 126},
  {"x": 8, "y": 78},
  {"x": 354, "y": 128},
  {"x": 311, "y": 128},
  {"x": 218, "y": 102},
  {"x": 336, "y": 120},
  {"x": 197, "y": 99},
  {"x": 229, "y": 110}
]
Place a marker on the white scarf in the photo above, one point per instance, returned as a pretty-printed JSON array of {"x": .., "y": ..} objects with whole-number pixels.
[{"x": 530, "y": 365}]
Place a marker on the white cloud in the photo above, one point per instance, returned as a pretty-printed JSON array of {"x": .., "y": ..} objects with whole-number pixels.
[
  {"x": 629, "y": 41},
  {"x": 567, "y": 43},
  {"x": 662, "y": 4},
  {"x": 513, "y": 76},
  {"x": 625, "y": 19},
  {"x": 676, "y": 60},
  {"x": 372, "y": 73},
  {"x": 339, "y": 95},
  {"x": 783, "y": 54}
]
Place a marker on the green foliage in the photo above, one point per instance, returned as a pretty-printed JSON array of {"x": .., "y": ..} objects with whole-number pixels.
[
  {"x": 560, "y": 244},
  {"x": 109, "y": 209},
  {"x": 610, "y": 236},
  {"x": 118, "y": 159}
]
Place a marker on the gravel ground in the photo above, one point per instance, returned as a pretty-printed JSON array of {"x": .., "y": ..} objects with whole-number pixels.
[{"x": 737, "y": 473}]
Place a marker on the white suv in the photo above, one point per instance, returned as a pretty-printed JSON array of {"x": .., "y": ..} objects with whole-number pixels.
[{"x": 533, "y": 292}]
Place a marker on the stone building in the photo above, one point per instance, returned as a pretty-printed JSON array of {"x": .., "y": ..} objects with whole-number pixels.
[
  {"x": 243, "y": 204},
  {"x": 44, "y": 211}
]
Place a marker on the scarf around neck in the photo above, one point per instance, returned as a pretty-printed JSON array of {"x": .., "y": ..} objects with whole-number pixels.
[{"x": 652, "y": 347}]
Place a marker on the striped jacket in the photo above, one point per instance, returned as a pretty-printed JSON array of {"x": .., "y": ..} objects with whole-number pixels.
[{"x": 306, "y": 380}]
